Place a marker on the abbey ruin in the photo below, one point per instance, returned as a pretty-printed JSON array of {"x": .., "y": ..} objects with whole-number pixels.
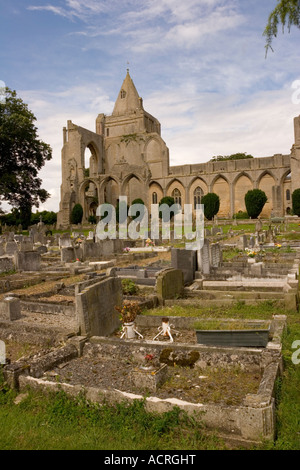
[{"x": 128, "y": 157}]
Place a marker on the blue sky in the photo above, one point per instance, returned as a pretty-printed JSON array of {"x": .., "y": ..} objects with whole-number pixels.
[{"x": 199, "y": 66}]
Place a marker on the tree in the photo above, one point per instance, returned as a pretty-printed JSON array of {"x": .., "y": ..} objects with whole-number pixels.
[
  {"x": 22, "y": 155},
  {"x": 255, "y": 200},
  {"x": 296, "y": 202},
  {"x": 48, "y": 218},
  {"x": 76, "y": 214},
  {"x": 286, "y": 12},
  {"x": 211, "y": 202}
]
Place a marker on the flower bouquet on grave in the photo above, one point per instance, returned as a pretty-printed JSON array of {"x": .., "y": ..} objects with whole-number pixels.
[
  {"x": 128, "y": 312},
  {"x": 150, "y": 362},
  {"x": 149, "y": 242},
  {"x": 251, "y": 253}
]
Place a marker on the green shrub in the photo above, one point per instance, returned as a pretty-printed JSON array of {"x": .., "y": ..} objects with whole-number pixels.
[
  {"x": 296, "y": 202},
  {"x": 129, "y": 287},
  {"x": 241, "y": 215},
  {"x": 76, "y": 214},
  {"x": 92, "y": 219},
  {"x": 255, "y": 200},
  {"x": 211, "y": 202}
]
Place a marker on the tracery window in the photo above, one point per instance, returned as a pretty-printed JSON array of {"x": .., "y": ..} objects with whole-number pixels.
[
  {"x": 176, "y": 195},
  {"x": 198, "y": 194}
]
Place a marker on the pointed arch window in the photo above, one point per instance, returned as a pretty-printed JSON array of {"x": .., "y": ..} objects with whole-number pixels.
[
  {"x": 198, "y": 194},
  {"x": 154, "y": 198},
  {"x": 176, "y": 195},
  {"x": 288, "y": 195}
]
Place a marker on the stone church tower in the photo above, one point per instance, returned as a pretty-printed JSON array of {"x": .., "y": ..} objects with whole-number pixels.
[{"x": 126, "y": 153}]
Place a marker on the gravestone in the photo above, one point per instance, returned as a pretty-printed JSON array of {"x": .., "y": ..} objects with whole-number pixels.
[
  {"x": 26, "y": 246},
  {"x": 27, "y": 261},
  {"x": 65, "y": 241},
  {"x": 252, "y": 242},
  {"x": 243, "y": 242},
  {"x": 258, "y": 226},
  {"x": 215, "y": 255},
  {"x": 215, "y": 231},
  {"x": 10, "y": 248},
  {"x": 169, "y": 284},
  {"x": 203, "y": 258},
  {"x": 67, "y": 254},
  {"x": 186, "y": 261},
  {"x": 10, "y": 309},
  {"x": 95, "y": 306}
]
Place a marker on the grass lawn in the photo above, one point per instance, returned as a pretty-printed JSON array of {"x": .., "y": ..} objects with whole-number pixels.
[{"x": 56, "y": 422}]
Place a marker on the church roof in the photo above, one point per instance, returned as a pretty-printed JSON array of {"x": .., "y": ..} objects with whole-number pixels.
[{"x": 128, "y": 100}]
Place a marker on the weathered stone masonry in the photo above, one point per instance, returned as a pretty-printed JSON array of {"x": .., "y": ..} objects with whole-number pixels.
[{"x": 128, "y": 157}]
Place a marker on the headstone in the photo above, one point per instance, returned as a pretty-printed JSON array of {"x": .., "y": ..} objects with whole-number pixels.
[
  {"x": 258, "y": 226},
  {"x": 10, "y": 309},
  {"x": 203, "y": 258},
  {"x": 27, "y": 261},
  {"x": 215, "y": 231},
  {"x": 252, "y": 242},
  {"x": 186, "y": 261},
  {"x": 26, "y": 246},
  {"x": 242, "y": 243},
  {"x": 10, "y": 248},
  {"x": 215, "y": 255},
  {"x": 67, "y": 254},
  {"x": 169, "y": 284},
  {"x": 65, "y": 240}
]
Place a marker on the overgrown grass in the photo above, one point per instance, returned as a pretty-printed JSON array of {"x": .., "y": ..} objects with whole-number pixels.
[
  {"x": 288, "y": 392},
  {"x": 239, "y": 310},
  {"x": 58, "y": 422}
]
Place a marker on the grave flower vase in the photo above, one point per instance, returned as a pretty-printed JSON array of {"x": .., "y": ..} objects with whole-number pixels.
[{"x": 129, "y": 330}]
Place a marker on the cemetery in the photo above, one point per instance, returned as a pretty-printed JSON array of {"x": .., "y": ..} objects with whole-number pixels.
[{"x": 62, "y": 296}]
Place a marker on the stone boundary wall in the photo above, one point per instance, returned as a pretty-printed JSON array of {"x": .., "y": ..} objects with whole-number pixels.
[{"x": 48, "y": 308}]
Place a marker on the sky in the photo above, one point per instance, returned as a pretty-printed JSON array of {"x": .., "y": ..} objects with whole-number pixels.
[{"x": 199, "y": 65}]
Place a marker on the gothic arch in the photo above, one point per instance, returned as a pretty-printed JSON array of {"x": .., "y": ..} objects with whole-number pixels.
[
  {"x": 109, "y": 190},
  {"x": 91, "y": 162},
  {"x": 195, "y": 183},
  {"x": 176, "y": 184},
  {"x": 89, "y": 197},
  {"x": 266, "y": 183},
  {"x": 266, "y": 173},
  {"x": 134, "y": 187},
  {"x": 241, "y": 185},
  {"x": 152, "y": 149},
  {"x": 221, "y": 187},
  {"x": 156, "y": 193}
]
